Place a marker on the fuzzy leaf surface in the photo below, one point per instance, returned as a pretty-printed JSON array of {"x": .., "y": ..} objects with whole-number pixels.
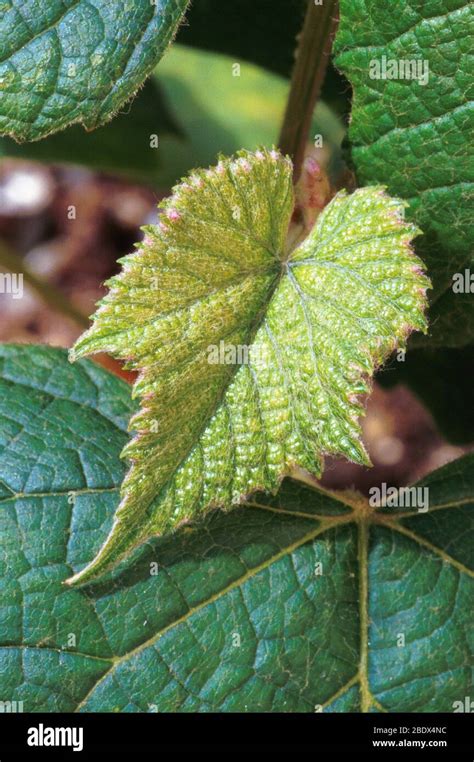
[
  {"x": 215, "y": 279},
  {"x": 288, "y": 603}
]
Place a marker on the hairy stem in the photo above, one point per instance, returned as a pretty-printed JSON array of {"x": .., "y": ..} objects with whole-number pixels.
[
  {"x": 51, "y": 295},
  {"x": 312, "y": 58}
]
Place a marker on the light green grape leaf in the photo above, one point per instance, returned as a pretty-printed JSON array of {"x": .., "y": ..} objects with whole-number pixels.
[
  {"x": 69, "y": 61},
  {"x": 252, "y": 358}
]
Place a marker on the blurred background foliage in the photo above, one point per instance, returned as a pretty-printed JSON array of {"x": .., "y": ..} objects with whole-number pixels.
[
  {"x": 72, "y": 204},
  {"x": 196, "y": 104}
]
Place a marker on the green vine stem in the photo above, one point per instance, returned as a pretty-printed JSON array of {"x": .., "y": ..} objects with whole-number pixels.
[
  {"x": 312, "y": 58},
  {"x": 10, "y": 261}
]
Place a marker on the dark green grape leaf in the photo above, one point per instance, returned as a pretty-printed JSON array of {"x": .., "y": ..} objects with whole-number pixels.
[
  {"x": 416, "y": 134},
  {"x": 305, "y": 601},
  {"x": 68, "y": 61}
]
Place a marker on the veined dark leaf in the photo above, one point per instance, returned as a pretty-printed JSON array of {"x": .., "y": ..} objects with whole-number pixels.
[
  {"x": 412, "y": 129},
  {"x": 68, "y": 61},
  {"x": 304, "y": 601}
]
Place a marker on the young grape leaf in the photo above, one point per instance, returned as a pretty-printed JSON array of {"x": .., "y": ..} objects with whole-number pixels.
[
  {"x": 251, "y": 357},
  {"x": 68, "y": 61},
  {"x": 412, "y": 128},
  {"x": 301, "y": 602}
]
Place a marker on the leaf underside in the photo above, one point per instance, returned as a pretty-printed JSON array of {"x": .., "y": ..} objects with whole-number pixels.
[
  {"x": 417, "y": 139},
  {"x": 291, "y": 603},
  {"x": 68, "y": 61},
  {"x": 215, "y": 275}
]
